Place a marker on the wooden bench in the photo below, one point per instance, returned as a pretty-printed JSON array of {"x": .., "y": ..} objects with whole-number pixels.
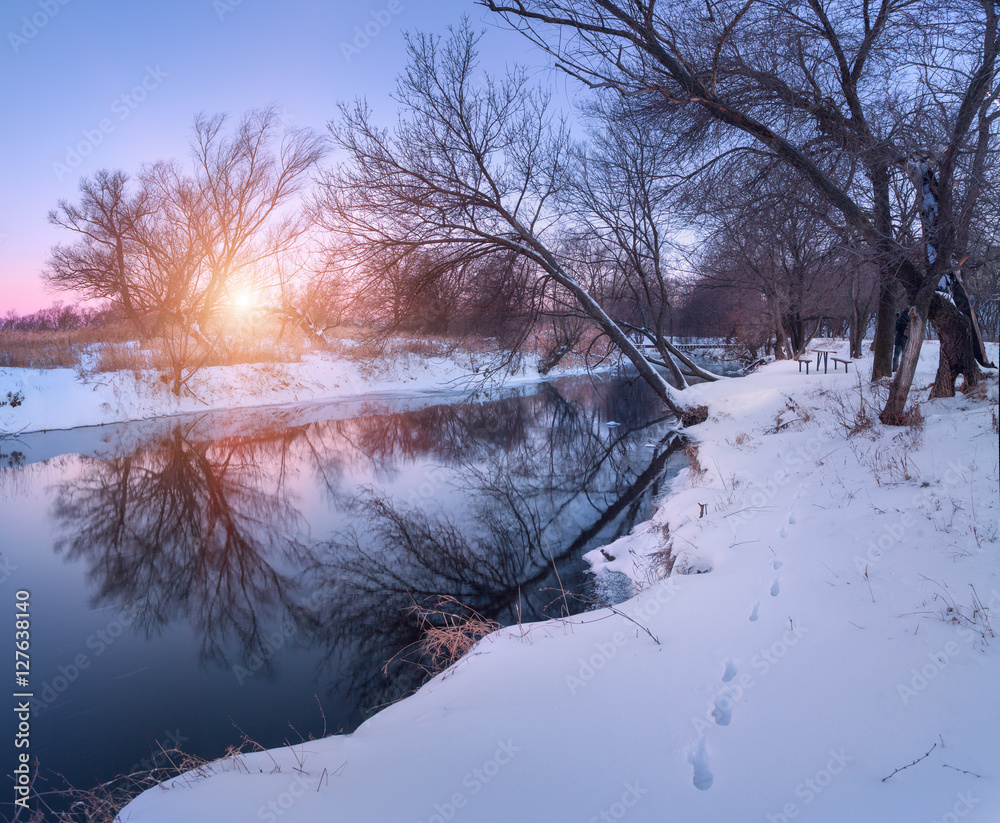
[
  {"x": 808, "y": 362},
  {"x": 837, "y": 360}
]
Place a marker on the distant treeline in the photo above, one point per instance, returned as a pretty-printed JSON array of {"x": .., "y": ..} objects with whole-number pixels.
[{"x": 59, "y": 317}]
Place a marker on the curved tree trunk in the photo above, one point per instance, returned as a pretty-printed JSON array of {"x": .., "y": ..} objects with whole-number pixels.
[{"x": 957, "y": 354}]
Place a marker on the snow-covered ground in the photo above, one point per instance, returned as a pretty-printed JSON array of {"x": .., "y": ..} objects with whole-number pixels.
[
  {"x": 840, "y": 631},
  {"x": 68, "y": 398}
]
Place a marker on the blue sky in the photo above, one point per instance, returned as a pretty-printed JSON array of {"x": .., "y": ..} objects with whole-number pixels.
[{"x": 121, "y": 83}]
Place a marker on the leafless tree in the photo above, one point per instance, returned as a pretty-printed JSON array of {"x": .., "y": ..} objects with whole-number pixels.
[
  {"x": 102, "y": 264},
  {"x": 850, "y": 94},
  {"x": 769, "y": 239},
  {"x": 474, "y": 168},
  {"x": 625, "y": 195},
  {"x": 178, "y": 247}
]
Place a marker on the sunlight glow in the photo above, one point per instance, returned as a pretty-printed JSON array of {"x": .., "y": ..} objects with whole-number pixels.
[{"x": 245, "y": 300}]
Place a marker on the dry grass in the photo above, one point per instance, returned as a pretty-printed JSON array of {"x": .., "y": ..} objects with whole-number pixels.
[
  {"x": 117, "y": 348},
  {"x": 855, "y": 413},
  {"x": 103, "y": 803},
  {"x": 450, "y": 630},
  {"x": 698, "y": 471},
  {"x": 112, "y": 357},
  {"x": 913, "y": 418},
  {"x": 740, "y": 440},
  {"x": 40, "y": 349}
]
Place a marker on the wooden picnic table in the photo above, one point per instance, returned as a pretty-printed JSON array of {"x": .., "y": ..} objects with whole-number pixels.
[{"x": 821, "y": 356}]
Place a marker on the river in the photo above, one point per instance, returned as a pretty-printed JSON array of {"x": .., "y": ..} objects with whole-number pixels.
[{"x": 194, "y": 580}]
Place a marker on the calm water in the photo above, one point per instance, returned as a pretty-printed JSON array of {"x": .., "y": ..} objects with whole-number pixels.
[{"x": 196, "y": 579}]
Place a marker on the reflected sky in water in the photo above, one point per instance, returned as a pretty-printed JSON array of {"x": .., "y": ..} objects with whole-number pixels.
[{"x": 200, "y": 579}]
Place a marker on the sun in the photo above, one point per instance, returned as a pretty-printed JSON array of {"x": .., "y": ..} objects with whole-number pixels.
[{"x": 245, "y": 301}]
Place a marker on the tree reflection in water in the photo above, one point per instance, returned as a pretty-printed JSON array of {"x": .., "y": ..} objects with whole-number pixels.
[
  {"x": 556, "y": 481},
  {"x": 187, "y": 529},
  {"x": 211, "y": 531}
]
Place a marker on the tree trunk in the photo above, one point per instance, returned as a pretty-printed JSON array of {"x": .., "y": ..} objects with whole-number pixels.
[
  {"x": 857, "y": 329},
  {"x": 885, "y": 330},
  {"x": 957, "y": 354},
  {"x": 689, "y": 416},
  {"x": 894, "y": 413}
]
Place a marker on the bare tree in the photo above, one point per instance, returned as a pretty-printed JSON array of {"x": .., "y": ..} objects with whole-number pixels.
[
  {"x": 769, "y": 239},
  {"x": 179, "y": 247},
  {"x": 625, "y": 196},
  {"x": 845, "y": 92},
  {"x": 474, "y": 169},
  {"x": 103, "y": 263}
]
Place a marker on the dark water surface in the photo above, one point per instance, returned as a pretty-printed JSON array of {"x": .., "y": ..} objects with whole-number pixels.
[{"x": 196, "y": 579}]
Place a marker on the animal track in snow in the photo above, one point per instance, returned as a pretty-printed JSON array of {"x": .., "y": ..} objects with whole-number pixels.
[
  {"x": 775, "y": 564},
  {"x": 698, "y": 758},
  {"x": 723, "y": 709},
  {"x": 730, "y": 671},
  {"x": 792, "y": 519},
  {"x": 753, "y": 613},
  {"x": 775, "y": 588}
]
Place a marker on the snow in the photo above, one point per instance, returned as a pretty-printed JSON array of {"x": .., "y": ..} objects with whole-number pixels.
[
  {"x": 827, "y": 623},
  {"x": 68, "y": 398}
]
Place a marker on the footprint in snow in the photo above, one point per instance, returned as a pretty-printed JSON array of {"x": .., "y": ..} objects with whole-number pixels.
[
  {"x": 753, "y": 613},
  {"x": 698, "y": 758},
  {"x": 775, "y": 564},
  {"x": 775, "y": 588},
  {"x": 730, "y": 671},
  {"x": 722, "y": 712},
  {"x": 792, "y": 519}
]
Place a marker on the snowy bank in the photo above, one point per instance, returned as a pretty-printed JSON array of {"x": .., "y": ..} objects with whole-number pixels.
[
  {"x": 68, "y": 398},
  {"x": 839, "y": 633}
]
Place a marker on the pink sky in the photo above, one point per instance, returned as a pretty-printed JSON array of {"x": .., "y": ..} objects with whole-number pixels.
[{"x": 59, "y": 81}]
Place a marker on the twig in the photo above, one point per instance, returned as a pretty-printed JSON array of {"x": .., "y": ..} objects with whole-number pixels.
[
  {"x": 869, "y": 582},
  {"x": 914, "y": 763},
  {"x": 647, "y": 631},
  {"x": 558, "y": 578},
  {"x": 963, "y": 771}
]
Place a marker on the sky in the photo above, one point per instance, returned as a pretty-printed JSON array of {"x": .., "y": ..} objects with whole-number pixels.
[{"x": 87, "y": 86}]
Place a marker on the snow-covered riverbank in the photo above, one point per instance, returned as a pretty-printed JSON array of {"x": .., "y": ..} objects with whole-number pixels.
[
  {"x": 843, "y": 629},
  {"x": 65, "y": 398}
]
